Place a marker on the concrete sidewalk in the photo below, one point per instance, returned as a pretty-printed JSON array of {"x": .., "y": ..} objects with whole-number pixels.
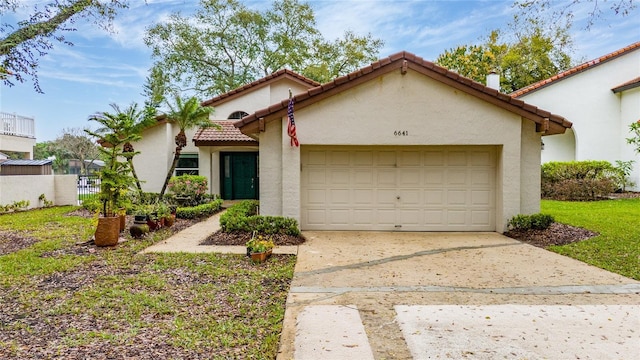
[{"x": 189, "y": 239}]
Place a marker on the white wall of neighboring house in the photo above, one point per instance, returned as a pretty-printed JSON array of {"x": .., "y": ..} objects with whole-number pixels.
[{"x": 600, "y": 117}]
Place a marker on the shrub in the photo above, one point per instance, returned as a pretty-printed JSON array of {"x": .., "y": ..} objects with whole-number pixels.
[
  {"x": 621, "y": 174},
  {"x": 243, "y": 217},
  {"x": 191, "y": 187},
  {"x": 199, "y": 210},
  {"x": 527, "y": 222},
  {"x": 577, "y": 180}
]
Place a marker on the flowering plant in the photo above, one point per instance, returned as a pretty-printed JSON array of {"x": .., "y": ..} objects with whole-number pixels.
[
  {"x": 191, "y": 186},
  {"x": 260, "y": 244}
]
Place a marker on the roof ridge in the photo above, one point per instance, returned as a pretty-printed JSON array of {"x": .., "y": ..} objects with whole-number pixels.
[
  {"x": 279, "y": 73},
  {"x": 576, "y": 69}
]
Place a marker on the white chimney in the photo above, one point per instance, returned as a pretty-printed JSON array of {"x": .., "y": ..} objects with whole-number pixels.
[{"x": 493, "y": 80}]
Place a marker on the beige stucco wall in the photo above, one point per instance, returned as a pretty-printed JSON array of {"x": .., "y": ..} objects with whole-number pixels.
[
  {"x": 157, "y": 146},
  {"x": 61, "y": 189},
  {"x": 430, "y": 112},
  {"x": 18, "y": 144}
]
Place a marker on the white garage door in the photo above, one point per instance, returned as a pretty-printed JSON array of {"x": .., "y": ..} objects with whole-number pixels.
[{"x": 428, "y": 188}]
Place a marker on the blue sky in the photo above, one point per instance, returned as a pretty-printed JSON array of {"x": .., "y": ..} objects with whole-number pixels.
[{"x": 105, "y": 68}]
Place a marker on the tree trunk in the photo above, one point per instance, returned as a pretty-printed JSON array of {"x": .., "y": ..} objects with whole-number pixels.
[
  {"x": 170, "y": 172},
  {"x": 135, "y": 176}
]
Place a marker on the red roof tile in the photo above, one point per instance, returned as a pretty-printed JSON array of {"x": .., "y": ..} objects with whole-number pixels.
[
  {"x": 576, "y": 70},
  {"x": 261, "y": 82},
  {"x": 628, "y": 85},
  {"x": 403, "y": 60},
  {"x": 226, "y": 135}
]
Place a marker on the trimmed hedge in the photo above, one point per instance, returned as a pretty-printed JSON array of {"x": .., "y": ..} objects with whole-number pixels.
[
  {"x": 578, "y": 180},
  {"x": 199, "y": 210},
  {"x": 535, "y": 221},
  {"x": 243, "y": 217}
]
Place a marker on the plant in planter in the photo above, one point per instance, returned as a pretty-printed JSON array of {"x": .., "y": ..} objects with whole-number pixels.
[
  {"x": 188, "y": 190},
  {"x": 259, "y": 248},
  {"x": 115, "y": 178},
  {"x": 164, "y": 213}
]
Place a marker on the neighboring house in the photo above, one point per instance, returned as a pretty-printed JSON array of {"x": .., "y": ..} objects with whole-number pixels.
[
  {"x": 228, "y": 158},
  {"x": 401, "y": 144},
  {"x": 92, "y": 166},
  {"x": 602, "y": 98},
  {"x": 17, "y": 134}
]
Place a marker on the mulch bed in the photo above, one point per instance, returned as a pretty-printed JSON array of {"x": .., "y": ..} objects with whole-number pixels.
[
  {"x": 556, "y": 234},
  {"x": 241, "y": 238}
]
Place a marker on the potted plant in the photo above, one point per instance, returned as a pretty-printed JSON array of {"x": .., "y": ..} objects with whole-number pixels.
[
  {"x": 115, "y": 178},
  {"x": 164, "y": 213},
  {"x": 259, "y": 248}
]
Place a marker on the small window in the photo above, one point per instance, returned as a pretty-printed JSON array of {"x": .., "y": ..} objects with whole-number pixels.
[
  {"x": 187, "y": 165},
  {"x": 237, "y": 115}
]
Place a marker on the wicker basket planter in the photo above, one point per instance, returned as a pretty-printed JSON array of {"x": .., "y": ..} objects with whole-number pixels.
[{"x": 107, "y": 231}]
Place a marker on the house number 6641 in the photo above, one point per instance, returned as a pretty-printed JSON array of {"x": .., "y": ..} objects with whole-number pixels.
[{"x": 401, "y": 133}]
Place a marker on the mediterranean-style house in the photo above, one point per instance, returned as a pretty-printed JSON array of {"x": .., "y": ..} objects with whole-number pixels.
[
  {"x": 401, "y": 144},
  {"x": 602, "y": 98}
]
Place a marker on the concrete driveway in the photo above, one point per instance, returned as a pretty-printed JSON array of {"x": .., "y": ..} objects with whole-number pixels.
[{"x": 387, "y": 295}]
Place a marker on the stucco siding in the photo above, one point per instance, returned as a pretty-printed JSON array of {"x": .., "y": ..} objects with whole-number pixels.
[
  {"x": 399, "y": 110},
  {"x": 18, "y": 144},
  {"x": 156, "y": 152},
  {"x": 271, "y": 169},
  {"x": 530, "y": 169},
  {"x": 600, "y": 118}
]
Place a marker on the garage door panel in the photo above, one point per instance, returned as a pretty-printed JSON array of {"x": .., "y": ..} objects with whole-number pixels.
[
  {"x": 456, "y": 217},
  {"x": 363, "y": 158},
  {"x": 481, "y": 198},
  {"x": 339, "y": 158},
  {"x": 340, "y": 177},
  {"x": 316, "y": 217},
  {"x": 340, "y": 196},
  {"x": 339, "y": 216},
  {"x": 424, "y": 188},
  {"x": 386, "y": 197},
  {"x": 364, "y": 197},
  {"x": 386, "y": 178},
  {"x": 316, "y": 197}
]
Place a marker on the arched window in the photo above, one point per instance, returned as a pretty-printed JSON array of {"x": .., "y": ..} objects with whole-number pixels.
[{"x": 237, "y": 115}]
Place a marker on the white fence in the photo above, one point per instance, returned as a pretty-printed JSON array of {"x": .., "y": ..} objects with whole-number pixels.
[
  {"x": 16, "y": 125},
  {"x": 61, "y": 189}
]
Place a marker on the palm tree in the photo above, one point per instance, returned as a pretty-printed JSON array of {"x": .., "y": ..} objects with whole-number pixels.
[
  {"x": 129, "y": 124},
  {"x": 186, "y": 114}
]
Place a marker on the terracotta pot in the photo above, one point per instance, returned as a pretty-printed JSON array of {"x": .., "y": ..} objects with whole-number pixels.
[
  {"x": 107, "y": 231},
  {"x": 260, "y": 257},
  {"x": 169, "y": 220}
]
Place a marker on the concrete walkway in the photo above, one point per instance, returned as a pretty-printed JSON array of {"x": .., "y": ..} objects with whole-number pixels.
[
  {"x": 189, "y": 239},
  {"x": 396, "y": 295}
]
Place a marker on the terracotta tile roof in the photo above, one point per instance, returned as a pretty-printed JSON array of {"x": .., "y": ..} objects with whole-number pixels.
[
  {"x": 578, "y": 69},
  {"x": 628, "y": 85},
  {"x": 261, "y": 82},
  {"x": 547, "y": 122},
  {"x": 227, "y": 135}
]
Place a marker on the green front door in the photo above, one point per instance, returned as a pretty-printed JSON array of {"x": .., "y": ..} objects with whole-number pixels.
[{"x": 239, "y": 172}]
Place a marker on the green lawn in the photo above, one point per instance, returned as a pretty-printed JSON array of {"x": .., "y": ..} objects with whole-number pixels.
[
  {"x": 617, "y": 249},
  {"x": 65, "y": 300}
]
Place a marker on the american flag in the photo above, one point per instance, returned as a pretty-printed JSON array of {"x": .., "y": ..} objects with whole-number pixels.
[{"x": 291, "y": 125}]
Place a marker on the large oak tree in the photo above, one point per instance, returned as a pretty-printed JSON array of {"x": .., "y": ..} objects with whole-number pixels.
[{"x": 225, "y": 45}]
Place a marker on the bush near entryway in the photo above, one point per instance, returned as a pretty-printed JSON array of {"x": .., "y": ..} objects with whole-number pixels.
[
  {"x": 578, "y": 180},
  {"x": 243, "y": 216}
]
